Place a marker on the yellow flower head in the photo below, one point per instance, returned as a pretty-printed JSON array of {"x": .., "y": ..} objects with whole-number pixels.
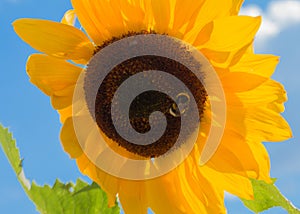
[{"x": 191, "y": 120}]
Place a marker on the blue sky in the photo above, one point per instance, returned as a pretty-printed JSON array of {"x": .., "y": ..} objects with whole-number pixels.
[{"x": 29, "y": 115}]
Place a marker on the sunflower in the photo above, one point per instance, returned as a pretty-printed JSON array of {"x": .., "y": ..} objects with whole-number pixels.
[{"x": 68, "y": 68}]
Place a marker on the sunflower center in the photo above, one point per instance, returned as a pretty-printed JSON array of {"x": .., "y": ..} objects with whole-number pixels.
[{"x": 145, "y": 110}]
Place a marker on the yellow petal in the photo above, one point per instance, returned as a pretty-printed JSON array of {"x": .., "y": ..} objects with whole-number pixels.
[
  {"x": 240, "y": 81},
  {"x": 132, "y": 195},
  {"x": 62, "y": 102},
  {"x": 108, "y": 183},
  {"x": 102, "y": 20},
  {"x": 69, "y": 18},
  {"x": 258, "y": 64},
  {"x": 209, "y": 11},
  {"x": 55, "y": 39},
  {"x": 232, "y": 183},
  {"x": 65, "y": 113},
  {"x": 161, "y": 12},
  {"x": 199, "y": 191},
  {"x": 88, "y": 19},
  {"x": 51, "y": 75},
  {"x": 262, "y": 157},
  {"x": 173, "y": 196},
  {"x": 134, "y": 15},
  {"x": 234, "y": 156},
  {"x": 184, "y": 10},
  {"x": 69, "y": 139},
  {"x": 88, "y": 168},
  {"x": 270, "y": 94},
  {"x": 255, "y": 113},
  {"x": 110, "y": 14},
  {"x": 225, "y": 59},
  {"x": 149, "y": 17},
  {"x": 188, "y": 181},
  {"x": 229, "y": 33},
  {"x": 235, "y": 7},
  {"x": 258, "y": 123},
  {"x": 267, "y": 125},
  {"x": 185, "y": 190}
]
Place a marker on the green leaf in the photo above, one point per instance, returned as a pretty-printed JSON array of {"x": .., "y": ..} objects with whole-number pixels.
[
  {"x": 267, "y": 196},
  {"x": 61, "y": 198}
]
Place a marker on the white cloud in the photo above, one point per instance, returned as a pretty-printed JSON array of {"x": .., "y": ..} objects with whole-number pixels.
[
  {"x": 285, "y": 13},
  {"x": 278, "y": 16}
]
